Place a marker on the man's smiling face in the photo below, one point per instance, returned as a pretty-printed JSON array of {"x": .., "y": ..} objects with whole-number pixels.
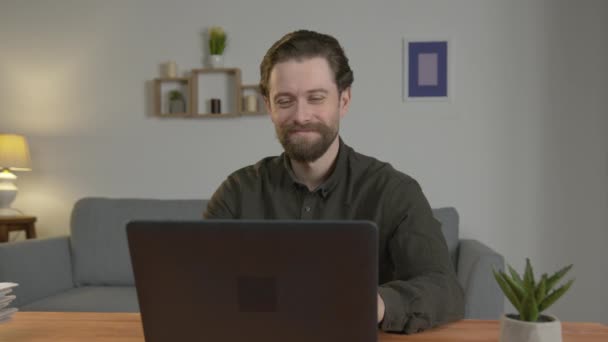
[{"x": 305, "y": 107}]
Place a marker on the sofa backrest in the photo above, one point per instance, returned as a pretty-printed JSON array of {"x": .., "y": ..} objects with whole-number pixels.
[
  {"x": 100, "y": 253},
  {"x": 449, "y": 226}
]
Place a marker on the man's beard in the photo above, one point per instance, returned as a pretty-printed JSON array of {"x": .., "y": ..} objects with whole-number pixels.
[{"x": 301, "y": 149}]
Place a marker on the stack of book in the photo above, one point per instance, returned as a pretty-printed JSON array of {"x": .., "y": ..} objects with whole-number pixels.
[{"x": 6, "y": 298}]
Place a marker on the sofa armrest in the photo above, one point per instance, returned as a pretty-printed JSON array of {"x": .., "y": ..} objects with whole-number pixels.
[
  {"x": 483, "y": 297},
  {"x": 41, "y": 267}
]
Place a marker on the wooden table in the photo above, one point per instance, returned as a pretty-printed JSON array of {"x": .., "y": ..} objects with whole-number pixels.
[
  {"x": 13, "y": 223},
  {"x": 124, "y": 327}
]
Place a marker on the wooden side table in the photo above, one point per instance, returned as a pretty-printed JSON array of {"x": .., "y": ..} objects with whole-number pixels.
[{"x": 14, "y": 223}]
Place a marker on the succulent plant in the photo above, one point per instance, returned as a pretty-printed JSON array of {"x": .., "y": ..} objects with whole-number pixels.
[
  {"x": 528, "y": 296},
  {"x": 175, "y": 95},
  {"x": 217, "y": 40}
]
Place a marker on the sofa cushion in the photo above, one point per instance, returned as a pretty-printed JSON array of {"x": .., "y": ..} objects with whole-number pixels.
[
  {"x": 449, "y": 226},
  {"x": 99, "y": 243},
  {"x": 89, "y": 299},
  {"x": 99, "y": 240},
  {"x": 41, "y": 267}
]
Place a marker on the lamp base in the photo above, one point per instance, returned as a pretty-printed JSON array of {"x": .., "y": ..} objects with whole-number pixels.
[{"x": 8, "y": 192}]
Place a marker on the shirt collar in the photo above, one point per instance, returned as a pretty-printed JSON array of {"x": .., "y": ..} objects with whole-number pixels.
[{"x": 330, "y": 183}]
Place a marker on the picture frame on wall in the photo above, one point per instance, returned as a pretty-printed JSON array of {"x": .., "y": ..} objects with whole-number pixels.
[{"x": 426, "y": 70}]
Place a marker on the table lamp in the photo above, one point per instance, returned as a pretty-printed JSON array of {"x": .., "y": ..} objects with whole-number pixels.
[{"x": 14, "y": 156}]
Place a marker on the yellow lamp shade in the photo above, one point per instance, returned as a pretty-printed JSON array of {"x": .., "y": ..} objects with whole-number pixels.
[{"x": 14, "y": 153}]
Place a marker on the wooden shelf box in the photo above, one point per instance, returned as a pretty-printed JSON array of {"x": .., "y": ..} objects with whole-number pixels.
[
  {"x": 221, "y": 83},
  {"x": 251, "y": 89},
  {"x": 162, "y": 87}
]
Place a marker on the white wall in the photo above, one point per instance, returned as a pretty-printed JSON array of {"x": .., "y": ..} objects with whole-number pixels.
[{"x": 521, "y": 150}]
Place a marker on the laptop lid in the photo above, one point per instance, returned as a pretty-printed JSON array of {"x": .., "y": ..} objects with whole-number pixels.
[{"x": 256, "y": 281}]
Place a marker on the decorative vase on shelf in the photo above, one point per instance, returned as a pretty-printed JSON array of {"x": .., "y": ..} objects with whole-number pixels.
[
  {"x": 177, "y": 106},
  {"x": 216, "y": 61},
  {"x": 177, "y": 103}
]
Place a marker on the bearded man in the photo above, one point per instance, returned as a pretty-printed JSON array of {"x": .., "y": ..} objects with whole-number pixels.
[{"x": 306, "y": 84}]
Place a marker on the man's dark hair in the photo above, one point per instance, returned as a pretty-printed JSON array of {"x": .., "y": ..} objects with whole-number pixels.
[{"x": 304, "y": 44}]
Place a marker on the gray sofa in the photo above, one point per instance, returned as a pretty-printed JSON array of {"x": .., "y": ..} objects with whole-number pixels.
[{"x": 90, "y": 270}]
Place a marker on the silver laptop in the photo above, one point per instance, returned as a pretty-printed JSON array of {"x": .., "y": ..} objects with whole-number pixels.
[{"x": 256, "y": 281}]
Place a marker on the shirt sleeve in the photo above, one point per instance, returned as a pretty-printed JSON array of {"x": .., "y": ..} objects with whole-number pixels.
[
  {"x": 425, "y": 291},
  {"x": 224, "y": 202}
]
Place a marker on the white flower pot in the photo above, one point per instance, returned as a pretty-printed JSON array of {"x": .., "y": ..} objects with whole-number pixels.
[
  {"x": 513, "y": 330},
  {"x": 216, "y": 61}
]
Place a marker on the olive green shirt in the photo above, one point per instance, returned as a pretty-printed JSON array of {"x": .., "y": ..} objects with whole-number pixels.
[{"x": 417, "y": 281}]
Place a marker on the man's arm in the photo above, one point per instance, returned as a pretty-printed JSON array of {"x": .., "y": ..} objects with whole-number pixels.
[
  {"x": 425, "y": 292},
  {"x": 224, "y": 202}
]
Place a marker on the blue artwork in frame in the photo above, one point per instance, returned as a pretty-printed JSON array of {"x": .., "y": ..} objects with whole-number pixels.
[{"x": 427, "y": 69}]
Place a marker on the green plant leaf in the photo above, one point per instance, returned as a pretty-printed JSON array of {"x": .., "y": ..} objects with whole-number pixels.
[
  {"x": 175, "y": 95},
  {"x": 552, "y": 281},
  {"x": 212, "y": 46},
  {"x": 529, "y": 283},
  {"x": 541, "y": 289},
  {"x": 515, "y": 276},
  {"x": 533, "y": 313},
  {"x": 524, "y": 311},
  {"x": 554, "y": 296},
  {"x": 529, "y": 308},
  {"x": 518, "y": 289},
  {"x": 506, "y": 289},
  {"x": 221, "y": 44},
  {"x": 217, "y": 41}
]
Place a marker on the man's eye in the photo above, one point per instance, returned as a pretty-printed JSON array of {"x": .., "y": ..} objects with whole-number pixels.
[
  {"x": 284, "y": 102},
  {"x": 316, "y": 99}
]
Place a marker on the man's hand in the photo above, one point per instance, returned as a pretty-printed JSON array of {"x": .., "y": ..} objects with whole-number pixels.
[{"x": 380, "y": 309}]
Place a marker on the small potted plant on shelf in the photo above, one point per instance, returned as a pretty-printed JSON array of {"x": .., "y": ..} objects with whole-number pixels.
[
  {"x": 531, "y": 297},
  {"x": 177, "y": 104},
  {"x": 217, "y": 44}
]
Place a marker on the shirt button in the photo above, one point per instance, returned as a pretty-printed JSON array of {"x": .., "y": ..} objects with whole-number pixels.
[{"x": 307, "y": 209}]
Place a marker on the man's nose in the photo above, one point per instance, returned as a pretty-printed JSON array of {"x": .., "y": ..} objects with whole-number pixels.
[{"x": 302, "y": 113}]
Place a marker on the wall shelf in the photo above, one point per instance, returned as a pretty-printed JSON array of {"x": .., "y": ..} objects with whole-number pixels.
[{"x": 203, "y": 84}]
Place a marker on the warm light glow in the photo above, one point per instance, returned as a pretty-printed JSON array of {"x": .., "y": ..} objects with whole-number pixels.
[
  {"x": 14, "y": 153},
  {"x": 43, "y": 99}
]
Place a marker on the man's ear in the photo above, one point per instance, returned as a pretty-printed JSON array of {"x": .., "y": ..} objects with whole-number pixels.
[{"x": 345, "y": 96}]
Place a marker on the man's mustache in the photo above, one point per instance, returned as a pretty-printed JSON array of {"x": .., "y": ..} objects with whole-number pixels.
[{"x": 313, "y": 126}]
